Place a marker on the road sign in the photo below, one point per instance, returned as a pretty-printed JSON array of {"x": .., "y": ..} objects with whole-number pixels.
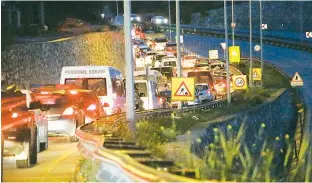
[
  {"x": 256, "y": 74},
  {"x": 296, "y": 80},
  {"x": 308, "y": 34},
  {"x": 223, "y": 45},
  {"x": 239, "y": 82},
  {"x": 264, "y": 26},
  {"x": 257, "y": 48},
  {"x": 234, "y": 54},
  {"x": 233, "y": 24},
  {"x": 213, "y": 54},
  {"x": 183, "y": 89}
]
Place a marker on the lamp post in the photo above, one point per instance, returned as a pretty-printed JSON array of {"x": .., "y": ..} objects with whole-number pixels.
[
  {"x": 261, "y": 45},
  {"x": 228, "y": 95},
  {"x": 178, "y": 43},
  {"x": 130, "y": 116},
  {"x": 250, "y": 47},
  {"x": 169, "y": 21}
]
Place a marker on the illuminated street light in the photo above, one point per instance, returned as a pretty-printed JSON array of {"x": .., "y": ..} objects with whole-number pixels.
[{"x": 102, "y": 15}]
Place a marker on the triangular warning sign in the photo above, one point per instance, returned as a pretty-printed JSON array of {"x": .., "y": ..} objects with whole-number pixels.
[
  {"x": 255, "y": 75},
  {"x": 297, "y": 78},
  {"x": 183, "y": 91}
]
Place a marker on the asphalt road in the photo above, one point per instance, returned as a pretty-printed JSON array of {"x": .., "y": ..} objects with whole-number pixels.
[{"x": 57, "y": 164}]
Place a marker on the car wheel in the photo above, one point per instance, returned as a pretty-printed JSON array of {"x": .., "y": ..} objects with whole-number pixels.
[
  {"x": 45, "y": 145},
  {"x": 30, "y": 149}
]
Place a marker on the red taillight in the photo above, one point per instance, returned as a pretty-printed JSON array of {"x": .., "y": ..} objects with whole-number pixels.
[
  {"x": 68, "y": 111},
  {"x": 91, "y": 107},
  {"x": 14, "y": 115}
]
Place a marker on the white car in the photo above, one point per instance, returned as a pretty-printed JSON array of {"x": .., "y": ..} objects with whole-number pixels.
[
  {"x": 159, "y": 20},
  {"x": 203, "y": 93}
]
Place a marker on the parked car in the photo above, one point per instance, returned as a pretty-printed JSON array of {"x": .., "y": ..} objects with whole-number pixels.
[{"x": 21, "y": 126}]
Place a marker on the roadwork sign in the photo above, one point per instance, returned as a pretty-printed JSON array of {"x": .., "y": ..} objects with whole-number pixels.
[
  {"x": 256, "y": 74},
  {"x": 296, "y": 80},
  {"x": 183, "y": 89},
  {"x": 234, "y": 54},
  {"x": 240, "y": 82}
]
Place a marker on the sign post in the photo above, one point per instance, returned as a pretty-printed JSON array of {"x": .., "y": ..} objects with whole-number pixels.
[
  {"x": 296, "y": 80},
  {"x": 234, "y": 54}
]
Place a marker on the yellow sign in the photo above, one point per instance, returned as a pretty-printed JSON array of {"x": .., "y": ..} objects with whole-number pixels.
[
  {"x": 234, "y": 54},
  {"x": 183, "y": 89},
  {"x": 239, "y": 82},
  {"x": 296, "y": 80},
  {"x": 256, "y": 74}
]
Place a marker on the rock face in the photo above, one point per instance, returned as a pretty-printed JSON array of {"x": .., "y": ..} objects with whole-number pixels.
[
  {"x": 281, "y": 16},
  {"x": 43, "y": 62}
]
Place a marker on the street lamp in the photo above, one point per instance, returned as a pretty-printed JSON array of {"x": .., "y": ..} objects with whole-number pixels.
[
  {"x": 250, "y": 47},
  {"x": 102, "y": 15},
  {"x": 228, "y": 95}
]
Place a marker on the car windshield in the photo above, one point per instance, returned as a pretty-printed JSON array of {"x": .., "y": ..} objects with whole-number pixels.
[
  {"x": 96, "y": 84},
  {"x": 201, "y": 87}
]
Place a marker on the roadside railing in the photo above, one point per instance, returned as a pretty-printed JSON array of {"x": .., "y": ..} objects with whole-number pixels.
[{"x": 278, "y": 41}]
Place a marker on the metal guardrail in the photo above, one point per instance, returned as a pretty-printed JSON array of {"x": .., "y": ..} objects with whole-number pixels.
[{"x": 277, "y": 41}]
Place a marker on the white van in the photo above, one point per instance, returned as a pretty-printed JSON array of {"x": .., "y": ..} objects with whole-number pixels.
[
  {"x": 148, "y": 93},
  {"x": 106, "y": 81}
]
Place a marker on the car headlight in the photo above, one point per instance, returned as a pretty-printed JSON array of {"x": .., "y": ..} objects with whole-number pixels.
[
  {"x": 158, "y": 21},
  {"x": 138, "y": 18},
  {"x": 166, "y": 21}
]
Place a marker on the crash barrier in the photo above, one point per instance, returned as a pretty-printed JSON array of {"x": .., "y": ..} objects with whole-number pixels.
[
  {"x": 277, "y": 41},
  {"x": 107, "y": 158},
  {"x": 107, "y": 163}
]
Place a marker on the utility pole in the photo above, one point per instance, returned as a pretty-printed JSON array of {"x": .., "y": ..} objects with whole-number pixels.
[
  {"x": 228, "y": 94},
  {"x": 41, "y": 14},
  {"x": 233, "y": 23},
  {"x": 129, "y": 68},
  {"x": 261, "y": 45},
  {"x": 250, "y": 47},
  {"x": 117, "y": 6},
  {"x": 169, "y": 21},
  {"x": 178, "y": 43}
]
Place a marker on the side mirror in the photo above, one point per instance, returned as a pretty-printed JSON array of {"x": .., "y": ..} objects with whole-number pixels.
[
  {"x": 35, "y": 105},
  {"x": 105, "y": 105}
]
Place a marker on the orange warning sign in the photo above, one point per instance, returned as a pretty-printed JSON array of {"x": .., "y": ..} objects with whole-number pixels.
[
  {"x": 296, "y": 80},
  {"x": 183, "y": 89}
]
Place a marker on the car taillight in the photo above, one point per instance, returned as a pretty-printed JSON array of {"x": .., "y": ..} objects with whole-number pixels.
[
  {"x": 68, "y": 111},
  {"x": 91, "y": 107},
  {"x": 161, "y": 100},
  {"x": 223, "y": 85},
  {"x": 14, "y": 115}
]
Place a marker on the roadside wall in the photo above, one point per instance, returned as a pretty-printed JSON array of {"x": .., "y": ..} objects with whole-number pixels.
[
  {"x": 278, "y": 116},
  {"x": 42, "y": 62}
]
